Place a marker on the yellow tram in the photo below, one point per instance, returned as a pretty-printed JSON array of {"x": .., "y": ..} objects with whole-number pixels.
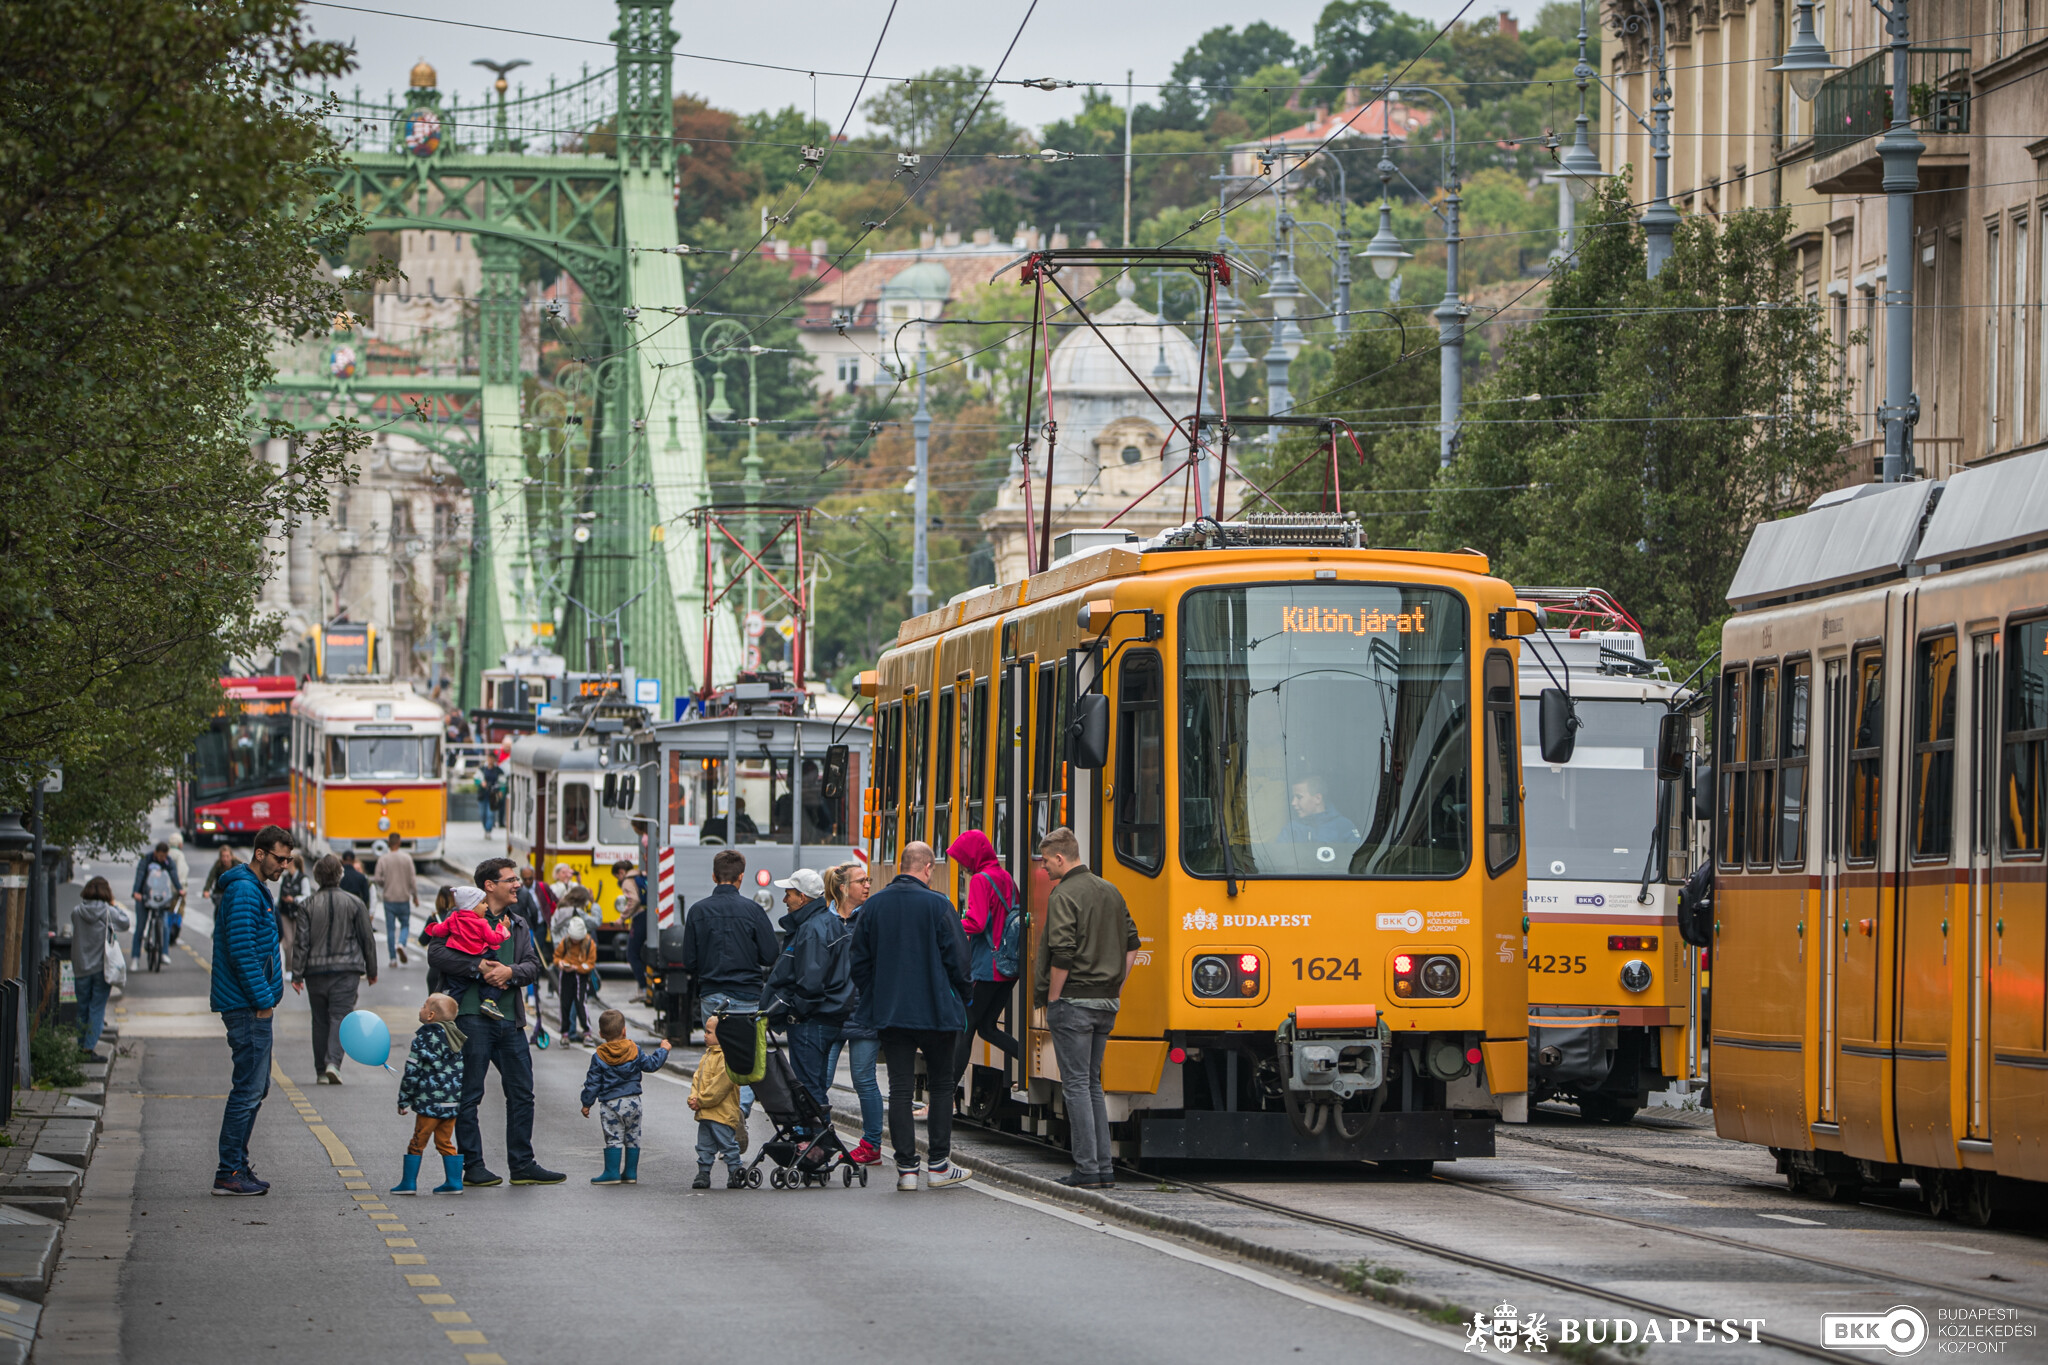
[
  {"x": 1298, "y": 760},
  {"x": 1881, "y": 740},
  {"x": 366, "y": 764},
  {"x": 555, "y": 812}
]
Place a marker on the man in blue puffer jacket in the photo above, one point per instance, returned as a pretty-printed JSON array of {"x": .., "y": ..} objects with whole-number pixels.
[{"x": 248, "y": 981}]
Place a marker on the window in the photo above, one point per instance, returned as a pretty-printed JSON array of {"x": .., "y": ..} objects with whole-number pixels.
[
  {"x": 2026, "y": 735},
  {"x": 1141, "y": 762},
  {"x": 974, "y": 741},
  {"x": 1763, "y": 761},
  {"x": 1325, "y": 731},
  {"x": 889, "y": 738},
  {"x": 942, "y": 774},
  {"x": 1934, "y": 747},
  {"x": 364, "y": 757},
  {"x": 1797, "y": 706},
  {"x": 1992, "y": 358},
  {"x": 1044, "y": 755},
  {"x": 1006, "y": 751},
  {"x": 1131, "y": 454},
  {"x": 1503, "y": 768},
  {"x": 849, "y": 370},
  {"x": 574, "y": 812},
  {"x": 2019, "y": 330},
  {"x": 1584, "y": 816},
  {"x": 242, "y": 753},
  {"x": 1864, "y": 808},
  {"x": 918, "y": 720},
  {"x": 1734, "y": 803}
]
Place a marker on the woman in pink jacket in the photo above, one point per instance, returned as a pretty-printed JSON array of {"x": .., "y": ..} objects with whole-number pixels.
[{"x": 990, "y": 897}]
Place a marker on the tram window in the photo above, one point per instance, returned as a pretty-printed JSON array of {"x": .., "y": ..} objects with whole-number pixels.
[
  {"x": 1141, "y": 762},
  {"x": 1864, "y": 808},
  {"x": 1006, "y": 753},
  {"x": 388, "y": 756},
  {"x": 2026, "y": 737},
  {"x": 1934, "y": 747},
  {"x": 574, "y": 808},
  {"x": 1734, "y": 726},
  {"x": 1043, "y": 752},
  {"x": 1797, "y": 708},
  {"x": 1763, "y": 760},
  {"x": 1503, "y": 810},
  {"x": 942, "y": 774},
  {"x": 890, "y": 741},
  {"x": 918, "y": 725},
  {"x": 974, "y": 742}
]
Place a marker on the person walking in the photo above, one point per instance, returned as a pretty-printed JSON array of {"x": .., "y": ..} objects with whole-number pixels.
[
  {"x": 846, "y": 889},
  {"x": 398, "y": 883},
  {"x": 247, "y": 983},
  {"x": 488, "y": 779},
  {"x": 991, "y": 896},
  {"x": 333, "y": 948},
  {"x": 728, "y": 943},
  {"x": 352, "y": 879},
  {"x": 629, "y": 908},
  {"x": 432, "y": 1088},
  {"x": 157, "y": 888},
  {"x": 613, "y": 1085},
  {"x": 93, "y": 920},
  {"x": 1089, "y": 944},
  {"x": 291, "y": 889},
  {"x": 221, "y": 864},
  {"x": 910, "y": 966},
  {"x": 177, "y": 914},
  {"x": 810, "y": 983},
  {"x": 497, "y": 1042}
]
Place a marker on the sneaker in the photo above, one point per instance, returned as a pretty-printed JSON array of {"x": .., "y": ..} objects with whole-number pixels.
[
  {"x": 538, "y": 1175},
  {"x": 1078, "y": 1180},
  {"x": 865, "y": 1154},
  {"x": 332, "y": 1076},
  {"x": 735, "y": 1180},
  {"x": 906, "y": 1180},
  {"x": 480, "y": 1175},
  {"x": 402, "y": 958},
  {"x": 943, "y": 1177},
  {"x": 489, "y": 1009},
  {"x": 238, "y": 1183},
  {"x": 1104, "y": 1180},
  {"x": 702, "y": 1182},
  {"x": 249, "y": 1174},
  {"x": 920, "y": 1112}
]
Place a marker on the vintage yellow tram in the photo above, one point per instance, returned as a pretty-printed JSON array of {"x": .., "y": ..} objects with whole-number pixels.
[
  {"x": 1881, "y": 740},
  {"x": 366, "y": 764},
  {"x": 1298, "y": 759}
]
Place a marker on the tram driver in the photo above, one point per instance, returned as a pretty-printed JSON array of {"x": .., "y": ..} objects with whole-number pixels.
[{"x": 1314, "y": 822}]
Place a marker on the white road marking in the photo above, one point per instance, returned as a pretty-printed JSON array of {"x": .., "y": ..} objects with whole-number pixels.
[
  {"x": 1788, "y": 1218},
  {"x": 1392, "y": 1321},
  {"x": 1951, "y": 1246},
  {"x": 1660, "y": 1194}
]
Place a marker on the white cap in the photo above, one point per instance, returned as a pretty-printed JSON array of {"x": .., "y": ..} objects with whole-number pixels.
[
  {"x": 807, "y": 880},
  {"x": 468, "y": 898}
]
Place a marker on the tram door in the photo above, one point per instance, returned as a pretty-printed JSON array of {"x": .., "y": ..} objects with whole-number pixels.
[
  {"x": 1982, "y": 780},
  {"x": 1833, "y": 766},
  {"x": 1860, "y": 1054}
]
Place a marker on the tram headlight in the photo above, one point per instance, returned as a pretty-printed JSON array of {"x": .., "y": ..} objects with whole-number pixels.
[
  {"x": 1212, "y": 976},
  {"x": 1439, "y": 975},
  {"x": 1635, "y": 975}
]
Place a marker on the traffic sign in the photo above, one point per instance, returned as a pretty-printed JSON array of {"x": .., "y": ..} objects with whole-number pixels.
[
  {"x": 786, "y": 627},
  {"x": 756, "y": 623}
]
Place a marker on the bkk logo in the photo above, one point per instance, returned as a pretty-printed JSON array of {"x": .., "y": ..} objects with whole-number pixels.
[
  {"x": 1902, "y": 1331},
  {"x": 1400, "y": 922}
]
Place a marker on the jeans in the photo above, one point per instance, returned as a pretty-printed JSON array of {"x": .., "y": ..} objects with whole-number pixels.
[
  {"x": 715, "y": 1140},
  {"x": 1079, "y": 1038},
  {"x": 397, "y": 920},
  {"x": 500, "y": 1043},
  {"x": 813, "y": 1049},
  {"x": 485, "y": 813},
  {"x": 575, "y": 1019},
  {"x": 900, "y": 1046},
  {"x": 332, "y": 996},
  {"x": 718, "y": 1002},
  {"x": 249, "y": 1042},
  {"x": 861, "y": 1054},
  {"x": 989, "y": 999},
  {"x": 93, "y": 991}
]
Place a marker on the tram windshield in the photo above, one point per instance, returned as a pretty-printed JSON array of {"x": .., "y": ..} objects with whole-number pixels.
[
  {"x": 1581, "y": 814},
  {"x": 243, "y": 753},
  {"x": 374, "y": 756},
  {"x": 1324, "y": 731},
  {"x": 703, "y": 806}
]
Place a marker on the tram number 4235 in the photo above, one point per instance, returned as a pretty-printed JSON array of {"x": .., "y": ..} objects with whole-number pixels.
[
  {"x": 1324, "y": 968},
  {"x": 1573, "y": 965}
]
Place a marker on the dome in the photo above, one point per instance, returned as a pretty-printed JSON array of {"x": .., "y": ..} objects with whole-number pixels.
[
  {"x": 925, "y": 280},
  {"x": 423, "y": 76},
  {"x": 1081, "y": 363}
]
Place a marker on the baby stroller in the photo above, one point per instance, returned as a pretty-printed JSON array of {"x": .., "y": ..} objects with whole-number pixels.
[{"x": 805, "y": 1147}]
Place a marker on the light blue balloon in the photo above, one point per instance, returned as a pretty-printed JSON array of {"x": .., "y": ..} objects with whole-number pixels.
[{"x": 365, "y": 1038}]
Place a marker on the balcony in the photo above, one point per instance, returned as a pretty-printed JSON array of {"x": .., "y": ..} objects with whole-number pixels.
[{"x": 1854, "y": 107}]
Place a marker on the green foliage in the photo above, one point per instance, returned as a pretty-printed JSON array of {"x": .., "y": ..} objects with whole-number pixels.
[
  {"x": 161, "y": 224},
  {"x": 1352, "y": 35},
  {"x": 1224, "y": 57},
  {"x": 53, "y": 1058},
  {"x": 925, "y": 113}
]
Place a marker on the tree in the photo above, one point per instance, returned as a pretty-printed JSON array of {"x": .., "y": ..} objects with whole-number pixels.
[
  {"x": 1224, "y": 58},
  {"x": 1352, "y": 35},
  {"x": 711, "y": 180},
  {"x": 924, "y": 113},
  {"x": 161, "y": 224}
]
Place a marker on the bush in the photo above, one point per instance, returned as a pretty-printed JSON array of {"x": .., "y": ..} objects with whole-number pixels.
[{"x": 53, "y": 1058}]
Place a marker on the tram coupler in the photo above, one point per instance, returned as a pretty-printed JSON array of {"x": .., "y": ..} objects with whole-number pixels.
[{"x": 1333, "y": 1051}]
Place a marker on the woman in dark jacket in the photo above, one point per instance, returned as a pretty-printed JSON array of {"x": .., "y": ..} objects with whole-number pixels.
[
  {"x": 991, "y": 895},
  {"x": 846, "y": 887}
]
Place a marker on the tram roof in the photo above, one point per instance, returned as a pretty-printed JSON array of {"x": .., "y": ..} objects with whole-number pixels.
[
  {"x": 1857, "y": 535},
  {"x": 711, "y": 737},
  {"x": 560, "y": 753},
  {"x": 1989, "y": 509},
  {"x": 339, "y": 701}
]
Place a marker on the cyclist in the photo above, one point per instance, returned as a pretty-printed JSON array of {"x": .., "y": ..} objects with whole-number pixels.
[{"x": 157, "y": 889}]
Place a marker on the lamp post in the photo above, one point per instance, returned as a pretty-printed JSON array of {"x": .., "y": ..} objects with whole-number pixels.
[
  {"x": 1806, "y": 67},
  {"x": 1385, "y": 251},
  {"x": 1578, "y": 174},
  {"x": 1283, "y": 294},
  {"x": 721, "y": 410},
  {"x": 1660, "y": 220},
  {"x": 1450, "y": 313},
  {"x": 920, "y": 556}
]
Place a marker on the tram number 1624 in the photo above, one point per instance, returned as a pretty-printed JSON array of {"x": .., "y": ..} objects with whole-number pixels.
[{"x": 1324, "y": 968}]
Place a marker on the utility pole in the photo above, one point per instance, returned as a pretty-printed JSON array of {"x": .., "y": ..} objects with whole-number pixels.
[
  {"x": 1660, "y": 220},
  {"x": 1128, "y": 74},
  {"x": 1900, "y": 151},
  {"x": 1450, "y": 313},
  {"x": 921, "y": 429}
]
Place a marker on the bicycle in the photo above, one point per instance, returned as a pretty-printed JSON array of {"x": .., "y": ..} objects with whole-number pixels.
[{"x": 153, "y": 938}]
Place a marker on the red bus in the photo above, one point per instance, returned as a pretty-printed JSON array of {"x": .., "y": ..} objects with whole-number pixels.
[{"x": 241, "y": 765}]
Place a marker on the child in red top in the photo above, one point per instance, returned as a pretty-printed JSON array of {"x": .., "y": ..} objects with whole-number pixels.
[{"x": 467, "y": 932}]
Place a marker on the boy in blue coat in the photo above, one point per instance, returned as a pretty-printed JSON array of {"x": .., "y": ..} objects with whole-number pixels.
[
  {"x": 613, "y": 1085},
  {"x": 432, "y": 1088}
]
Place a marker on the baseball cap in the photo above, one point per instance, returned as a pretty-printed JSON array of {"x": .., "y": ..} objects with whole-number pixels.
[{"x": 804, "y": 879}]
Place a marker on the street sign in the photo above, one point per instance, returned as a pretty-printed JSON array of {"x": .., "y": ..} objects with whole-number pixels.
[
  {"x": 647, "y": 691},
  {"x": 786, "y": 627},
  {"x": 756, "y": 623},
  {"x": 52, "y": 780}
]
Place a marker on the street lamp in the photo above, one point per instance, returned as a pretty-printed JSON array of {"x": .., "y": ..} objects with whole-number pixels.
[
  {"x": 1806, "y": 66},
  {"x": 1450, "y": 313},
  {"x": 1660, "y": 220},
  {"x": 721, "y": 410},
  {"x": 1578, "y": 172},
  {"x": 1385, "y": 250}
]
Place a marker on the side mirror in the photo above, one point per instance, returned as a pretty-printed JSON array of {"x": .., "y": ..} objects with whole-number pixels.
[
  {"x": 1557, "y": 725},
  {"x": 832, "y": 782},
  {"x": 1674, "y": 742},
  {"x": 1088, "y": 731},
  {"x": 1703, "y": 792},
  {"x": 1507, "y": 623},
  {"x": 629, "y": 792},
  {"x": 611, "y": 791}
]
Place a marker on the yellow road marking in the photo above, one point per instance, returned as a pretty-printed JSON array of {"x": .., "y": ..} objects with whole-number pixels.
[
  {"x": 355, "y": 1184},
  {"x": 407, "y": 1258},
  {"x": 393, "y": 1227},
  {"x": 435, "y": 1298},
  {"x": 452, "y": 1316},
  {"x": 400, "y": 1242},
  {"x": 484, "y": 1358},
  {"x": 423, "y": 1281},
  {"x": 336, "y": 1152},
  {"x": 468, "y": 1337}
]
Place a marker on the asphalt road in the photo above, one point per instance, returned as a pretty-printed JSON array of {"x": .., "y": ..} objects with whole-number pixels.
[{"x": 319, "y": 1272}]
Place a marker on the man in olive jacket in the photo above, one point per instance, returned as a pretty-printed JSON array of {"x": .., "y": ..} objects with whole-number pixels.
[
  {"x": 1089, "y": 943},
  {"x": 333, "y": 949}
]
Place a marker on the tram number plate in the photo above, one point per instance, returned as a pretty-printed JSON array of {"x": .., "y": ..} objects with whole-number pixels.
[
  {"x": 1573, "y": 965},
  {"x": 1324, "y": 969}
]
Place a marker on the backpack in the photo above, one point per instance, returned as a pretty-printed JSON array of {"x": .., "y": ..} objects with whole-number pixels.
[
  {"x": 1009, "y": 951},
  {"x": 156, "y": 883}
]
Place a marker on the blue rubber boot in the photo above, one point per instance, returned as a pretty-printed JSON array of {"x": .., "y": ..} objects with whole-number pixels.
[
  {"x": 611, "y": 1169},
  {"x": 631, "y": 1174},
  {"x": 410, "y": 1184},
  {"x": 451, "y": 1173}
]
